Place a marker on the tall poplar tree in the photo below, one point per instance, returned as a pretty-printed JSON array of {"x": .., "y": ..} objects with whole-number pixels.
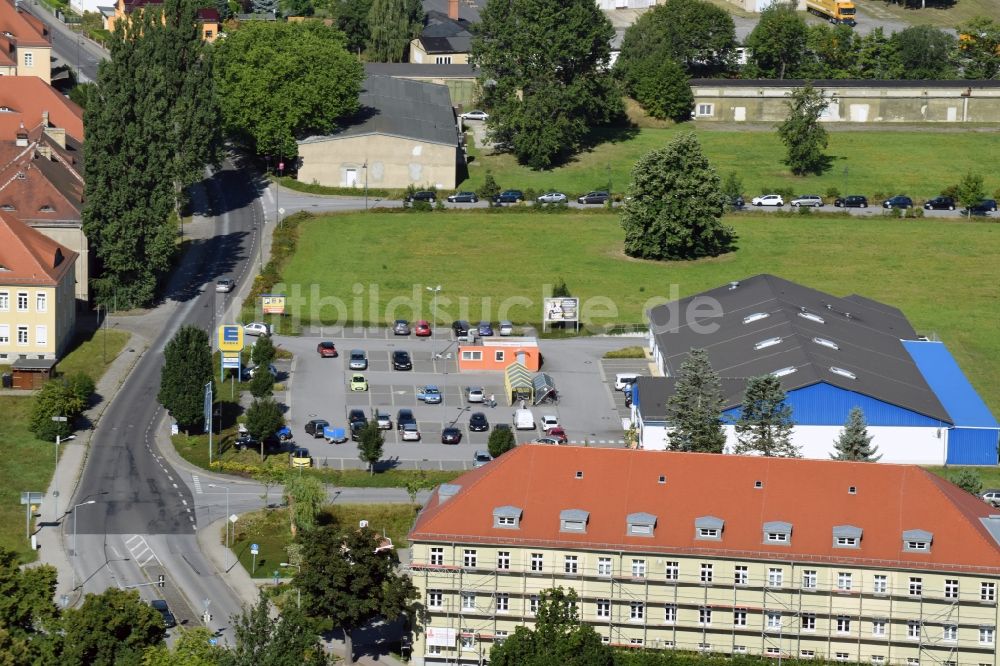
[
  {"x": 694, "y": 411},
  {"x": 765, "y": 424},
  {"x": 389, "y": 31}
]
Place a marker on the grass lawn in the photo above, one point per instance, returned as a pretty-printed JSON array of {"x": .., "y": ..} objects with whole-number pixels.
[
  {"x": 94, "y": 353},
  {"x": 269, "y": 530},
  {"x": 916, "y": 163},
  {"x": 941, "y": 273},
  {"x": 948, "y": 17}
]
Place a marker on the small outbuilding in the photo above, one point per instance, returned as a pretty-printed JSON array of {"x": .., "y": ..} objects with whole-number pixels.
[
  {"x": 517, "y": 384},
  {"x": 496, "y": 354},
  {"x": 31, "y": 373}
]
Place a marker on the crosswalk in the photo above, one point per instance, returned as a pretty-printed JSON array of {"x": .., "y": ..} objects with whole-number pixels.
[
  {"x": 140, "y": 551},
  {"x": 196, "y": 482}
]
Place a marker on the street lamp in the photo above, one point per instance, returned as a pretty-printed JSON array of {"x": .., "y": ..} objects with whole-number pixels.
[
  {"x": 59, "y": 440},
  {"x": 226, "y": 488},
  {"x": 74, "y": 534},
  {"x": 298, "y": 570},
  {"x": 435, "y": 291}
]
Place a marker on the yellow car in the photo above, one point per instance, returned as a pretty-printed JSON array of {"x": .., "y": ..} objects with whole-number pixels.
[
  {"x": 300, "y": 458},
  {"x": 359, "y": 383}
]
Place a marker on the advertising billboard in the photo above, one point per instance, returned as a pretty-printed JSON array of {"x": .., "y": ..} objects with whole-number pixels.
[
  {"x": 230, "y": 338},
  {"x": 273, "y": 303}
]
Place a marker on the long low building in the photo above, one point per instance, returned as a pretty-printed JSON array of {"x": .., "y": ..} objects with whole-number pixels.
[
  {"x": 831, "y": 354},
  {"x": 853, "y": 562}
]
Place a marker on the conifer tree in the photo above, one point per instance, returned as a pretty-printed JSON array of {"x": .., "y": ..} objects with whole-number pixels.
[
  {"x": 854, "y": 442},
  {"x": 765, "y": 424},
  {"x": 694, "y": 411}
]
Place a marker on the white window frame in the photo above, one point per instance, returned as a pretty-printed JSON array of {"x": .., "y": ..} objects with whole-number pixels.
[
  {"x": 843, "y": 624},
  {"x": 878, "y": 627},
  {"x": 847, "y": 542},
  {"x": 571, "y": 564},
  {"x": 503, "y": 560},
  {"x": 777, "y": 537},
  {"x": 845, "y": 581},
  {"x": 807, "y": 654},
  {"x": 709, "y": 533},
  {"x": 4, "y": 301},
  {"x": 22, "y": 335},
  {"x": 773, "y": 652},
  {"x": 741, "y": 575},
  {"x": 23, "y": 302},
  {"x": 916, "y": 588},
  {"x": 29, "y": 59},
  {"x": 707, "y": 572},
  {"x": 533, "y": 601},
  {"x": 669, "y": 614},
  {"x": 538, "y": 562},
  {"x": 739, "y": 617},
  {"x": 918, "y": 546},
  {"x": 704, "y": 616},
  {"x": 949, "y": 633},
  {"x": 637, "y": 642},
  {"x": 435, "y": 599},
  {"x": 41, "y": 335},
  {"x": 913, "y": 630},
  {"x": 472, "y": 355},
  {"x": 808, "y": 622},
  {"x": 638, "y": 568},
  {"x": 4, "y": 334},
  {"x": 498, "y": 356},
  {"x": 809, "y": 578},
  {"x": 878, "y": 659},
  {"x": 775, "y": 577},
  {"x": 468, "y": 601},
  {"x": 841, "y": 656},
  {"x": 437, "y": 556},
  {"x": 636, "y": 611},
  {"x": 880, "y": 584},
  {"x": 987, "y": 635},
  {"x": 603, "y": 566},
  {"x": 602, "y": 608},
  {"x": 503, "y": 602},
  {"x": 987, "y": 591},
  {"x": 773, "y": 620},
  {"x": 951, "y": 588},
  {"x": 41, "y": 301},
  {"x": 705, "y": 110},
  {"x": 470, "y": 557},
  {"x": 506, "y": 521},
  {"x": 442, "y": 60},
  {"x": 672, "y": 571},
  {"x": 467, "y": 642}
]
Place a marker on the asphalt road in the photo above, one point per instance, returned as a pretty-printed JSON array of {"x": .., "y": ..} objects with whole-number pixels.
[{"x": 68, "y": 47}]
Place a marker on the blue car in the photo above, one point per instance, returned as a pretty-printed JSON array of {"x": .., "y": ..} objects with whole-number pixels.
[
  {"x": 429, "y": 395},
  {"x": 485, "y": 329}
]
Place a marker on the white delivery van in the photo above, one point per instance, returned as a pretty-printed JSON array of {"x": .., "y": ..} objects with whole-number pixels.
[
  {"x": 625, "y": 379},
  {"x": 524, "y": 420}
]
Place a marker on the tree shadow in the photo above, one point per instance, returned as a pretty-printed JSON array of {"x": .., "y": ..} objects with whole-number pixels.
[{"x": 207, "y": 260}]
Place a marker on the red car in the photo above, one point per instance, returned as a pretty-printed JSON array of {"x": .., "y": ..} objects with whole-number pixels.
[
  {"x": 422, "y": 329},
  {"x": 327, "y": 349},
  {"x": 557, "y": 433}
]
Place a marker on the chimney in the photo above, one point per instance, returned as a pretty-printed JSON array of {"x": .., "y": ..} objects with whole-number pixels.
[
  {"x": 22, "y": 137},
  {"x": 45, "y": 150},
  {"x": 45, "y": 118},
  {"x": 453, "y": 10}
]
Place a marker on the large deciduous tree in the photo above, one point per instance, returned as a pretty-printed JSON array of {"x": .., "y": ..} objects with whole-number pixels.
[
  {"x": 979, "y": 48},
  {"x": 349, "y": 578},
  {"x": 263, "y": 418},
  {"x": 187, "y": 368},
  {"x": 804, "y": 137},
  {"x": 675, "y": 205},
  {"x": 114, "y": 627},
  {"x": 542, "y": 65},
  {"x": 152, "y": 127},
  {"x": 391, "y": 26},
  {"x": 290, "y": 640},
  {"x": 854, "y": 442},
  {"x": 278, "y": 82},
  {"x": 663, "y": 90},
  {"x": 27, "y": 611},
  {"x": 305, "y": 496},
  {"x": 765, "y": 424},
  {"x": 924, "y": 52},
  {"x": 694, "y": 411},
  {"x": 500, "y": 442},
  {"x": 777, "y": 43},
  {"x": 970, "y": 191},
  {"x": 192, "y": 647},
  {"x": 352, "y": 20}
]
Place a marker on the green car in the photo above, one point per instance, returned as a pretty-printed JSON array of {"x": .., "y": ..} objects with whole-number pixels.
[{"x": 359, "y": 383}]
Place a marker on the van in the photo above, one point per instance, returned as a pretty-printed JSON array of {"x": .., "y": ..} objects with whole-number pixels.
[
  {"x": 625, "y": 379},
  {"x": 524, "y": 420}
]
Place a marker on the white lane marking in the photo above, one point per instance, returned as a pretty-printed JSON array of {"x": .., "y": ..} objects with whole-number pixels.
[
  {"x": 138, "y": 549},
  {"x": 197, "y": 484}
]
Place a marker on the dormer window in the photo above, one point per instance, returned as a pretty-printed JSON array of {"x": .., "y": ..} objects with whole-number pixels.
[
  {"x": 640, "y": 524},
  {"x": 846, "y": 536},
  {"x": 573, "y": 520},
  {"x": 917, "y": 541},
  {"x": 778, "y": 533},
  {"x": 507, "y": 517},
  {"x": 708, "y": 528},
  {"x": 46, "y": 209}
]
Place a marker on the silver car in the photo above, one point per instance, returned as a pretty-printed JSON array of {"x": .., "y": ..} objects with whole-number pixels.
[
  {"x": 813, "y": 200},
  {"x": 401, "y": 327},
  {"x": 359, "y": 360},
  {"x": 480, "y": 458},
  {"x": 553, "y": 197}
]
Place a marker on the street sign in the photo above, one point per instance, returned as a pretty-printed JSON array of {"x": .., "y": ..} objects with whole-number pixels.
[
  {"x": 208, "y": 407},
  {"x": 231, "y": 338},
  {"x": 231, "y": 360},
  {"x": 273, "y": 303},
  {"x": 254, "y": 549},
  {"x": 32, "y": 498}
]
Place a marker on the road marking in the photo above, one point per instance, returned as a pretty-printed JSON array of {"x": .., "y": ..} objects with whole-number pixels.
[
  {"x": 140, "y": 551},
  {"x": 197, "y": 484},
  {"x": 184, "y": 502}
]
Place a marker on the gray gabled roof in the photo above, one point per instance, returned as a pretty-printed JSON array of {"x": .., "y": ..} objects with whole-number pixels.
[
  {"x": 402, "y": 108},
  {"x": 442, "y": 34},
  {"x": 766, "y": 324}
]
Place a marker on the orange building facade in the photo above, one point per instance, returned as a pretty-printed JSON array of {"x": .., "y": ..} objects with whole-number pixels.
[{"x": 495, "y": 354}]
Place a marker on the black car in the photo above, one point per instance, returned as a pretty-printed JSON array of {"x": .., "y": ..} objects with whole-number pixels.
[
  {"x": 451, "y": 436},
  {"x": 160, "y": 606},
  {"x": 461, "y": 327},
  {"x": 984, "y": 206},
  {"x": 736, "y": 202},
  {"x": 401, "y": 360},
  {"x": 596, "y": 197},
  {"x": 509, "y": 196},
  {"x": 501, "y": 426},
  {"x": 852, "y": 201},
  {"x": 315, "y": 427},
  {"x": 356, "y": 429},
  {"x": 898, "y": 201},
  {"x": 403, "y": 417},
  {"x": 940, "y": 203},
  {"x": 423, "y": 195},
  {"x": 463, "y": 197},
  {"x": 357, "y": 416},
  {"x": 478, "y": 422}
]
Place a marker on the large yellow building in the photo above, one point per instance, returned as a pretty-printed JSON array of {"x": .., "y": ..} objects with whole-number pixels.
[
  {"x": 886, "y": 564},
  {"x": 37, "y": 285},
  {"x": 25, "y": 44}
]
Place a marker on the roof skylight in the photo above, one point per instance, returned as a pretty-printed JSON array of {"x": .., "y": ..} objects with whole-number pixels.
[
  {"x": 781, "y": 372},
  {"x": 826, "y": 343},
  {"x": 812, "y": 316},
  {"x": 842, "y": 372}
]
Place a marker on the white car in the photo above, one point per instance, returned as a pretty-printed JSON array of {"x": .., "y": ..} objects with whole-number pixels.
[
  {"x": 475, "y": 115},
  {"x": 550, "y": 421},
  {"x": 768, "y": 200},
  {"x": 814, "y": 200},
  {"x": 225, "y": 286},
  {"x": 410, "y": 433},
  {"x": 552, "y": 197},
  {"x": 257, "y": 328},
  {"x": 475, "y": 394}
]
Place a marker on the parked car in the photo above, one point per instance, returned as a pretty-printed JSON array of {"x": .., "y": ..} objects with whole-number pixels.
[
  {"x": 524, "y": 419},
  {"x": 737, "y": 202},
  {"x": 506, "y": 328},
  {"x": 552, "y": 197},
  {"x": 480, "y": 458},
  {"x": 485, "y": 329},
  {"x": 429, "y": 395},
  {"x": 549, "y": 421},
  {"x": 557, "y": 433},
  {"x": 475, "y": 114},
  {"x": 422, "y": 329},
  {"x": 257, "y": 328},
  {"x": 475, "y": 394},
  {"x": 460, "y": 327},
  {"x": 315, "y": 427},
  {"x": 327, "y": 349},
  {"x": 851, "y": 201},
  {"x": 940, "y": 203},
  {"x": 299, "y": 457},
  {"x": 451, "y": 436},
  {"x": 624, "y": 380},
  {"x": 359, "y": 383},
  {"x": 813, "y": 200},
  {"x": 422, "y": 195},
  {"x": 358, "y": 360},
  {"x": 410, "y": 433},
  {"x": 898, "y": 201},
  {"x": 161, "y": 607},
  {"x": 383, "y": 420},
  {"x": 983, "y": 207},
  {"x": 768, "y": 200},
  {"x": 595, "y": 197},
  {"x": 463, "y": 197},
  {"x": 225, "y": 286},
  {"x": 356, "y": 429},
  {"x": 403, "y": 417},
  {"x": 991, "y": 496},
  {"x": 546, "y": 440},
  {"x": 509, "y": 196},
  {"x": 478, "y": 422},
  {"x": 357, "y": 416},
  {"x": 401, "y": 360},
  {"x": 401, "y": 327}
]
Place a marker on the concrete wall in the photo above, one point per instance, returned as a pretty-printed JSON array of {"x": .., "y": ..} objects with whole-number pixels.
[
  {"x": 73, "y": 238},
  {"x": 911, "y": 104},
  {"x": 393, "y": 162}
]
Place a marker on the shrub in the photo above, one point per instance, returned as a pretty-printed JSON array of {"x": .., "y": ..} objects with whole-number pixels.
[
  {"x": 489, "y": 188},
  {"x": 831, "y": 194},
  {"x": 626, "y": 352}
]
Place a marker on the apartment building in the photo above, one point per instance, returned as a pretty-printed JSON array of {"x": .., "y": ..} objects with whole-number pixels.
[
  {"x": 858, "y": 562},
  {"x": 25, "y": 43}
]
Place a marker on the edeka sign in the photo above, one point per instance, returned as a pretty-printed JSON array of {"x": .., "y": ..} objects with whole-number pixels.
[
  {"x": 230, "y": 338},
  {"x": 273, "y": 303}
]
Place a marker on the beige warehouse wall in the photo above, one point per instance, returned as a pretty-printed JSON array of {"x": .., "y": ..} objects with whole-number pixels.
[{"x": 393, "y": 162}]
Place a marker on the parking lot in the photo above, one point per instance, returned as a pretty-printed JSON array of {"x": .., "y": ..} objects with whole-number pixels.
[{"x": 588, "y": 407}]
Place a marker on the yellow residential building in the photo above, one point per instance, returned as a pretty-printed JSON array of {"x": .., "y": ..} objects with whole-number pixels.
[
  {"x": 25, "y": 44},
  {"x": 854, "y": 562},
  {"x": 37, "y": 293}
]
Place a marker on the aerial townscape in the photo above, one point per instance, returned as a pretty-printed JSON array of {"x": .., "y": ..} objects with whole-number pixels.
[{"x": 509, "y": 332}]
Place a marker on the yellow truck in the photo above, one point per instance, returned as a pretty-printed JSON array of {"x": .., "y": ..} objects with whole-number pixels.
[{"x": 835, "y": 11}]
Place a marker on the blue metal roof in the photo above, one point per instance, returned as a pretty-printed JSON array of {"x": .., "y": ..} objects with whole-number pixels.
[{"x": 948, "y": 381}]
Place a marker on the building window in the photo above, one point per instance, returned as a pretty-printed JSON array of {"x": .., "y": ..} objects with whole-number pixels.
[
  {"x": 913, "y": 629},
  {"x": 603, "y": 608},
  {"x": 29, "y": 59},
  {"x": 878, "y": 627},
  {"x": 503, "y": 602},
  {"x": 499, "y": 637},
  {"x": 468, "y": 638},
  {"x": 672, "y": 571},
  {"x": 638, "y": 568},
  {"x": 433, "y": 649},
  {"x": 437, "y": 556},
  {"x": 878, "y": 659},
  {"x": 709, "y": 533},
  {"x": 435, "y": 598},
  {"x": 468, "y": 601},
  {"x": 842, "y": 656},
  {"x": 987, "y": 591},
  {"x": 704, "y": 616},
  {"x": 773, "y": 620},
  {"x": 41, "y": 336},
  {"x": 635, "y": 642},
  {"x": 605, "y": 640},
  {"x": 533, "y": 604},
  {"x": 777, "y": 537},
  {"x": 912, "y": 661},
  {"x": 741, "y": 575},
  {"x": 498, "y": 356},
  {"x": 22, "y": 301},
  {"x": 442, "y": 60},
  {"x": 506, "y": 521},
  {"x": 844, "y": 581},
  {"x": 670, "y": 613},
  {"x": 503, "y": 560},
  {"x": 4, "y": 335},
  {"x": 470, "y": 558},
  {"x": 918, "y": 546},
  {"x": 570, "y": 564},
  {"x": 809, "y": 579},
  {"x": 807, "y": 654},
  {"x": 22, "y": 335},
  {"x": 847, "y": 542},
  {"x": 949, "y": 632},
  {"x": 705, "y": 647},
  {"x": 4, "y": 301},
  {"x": 951, "y": 588},
  {"x": 880, "y": 584},
  {"x": 603, "y": 566},
  {"x": 775, "y": 577},
  {"x": 636, "y": 610},
  {"x": 986, "y": 635},
  {"x": 843, "y": 624},
  {"x": 740, "y": 617},
  {"x": 537, "y": 561},
  {"x": 469, "y": 355},
  {"x": 773, "y": 651},
  {"x": 916, "y": 586},
  {"x": 41, "y": 301},
  {"x": 706, "y": 573},
  {"x": 705, "y": 110}
]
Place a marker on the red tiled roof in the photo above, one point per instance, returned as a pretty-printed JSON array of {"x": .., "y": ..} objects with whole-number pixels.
[
  {"x": 29, "y": 257},
  {"x": 26, "y": 29},
  {"x": 812, "y": 495},
  {"x": 25, "y": 98}
]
